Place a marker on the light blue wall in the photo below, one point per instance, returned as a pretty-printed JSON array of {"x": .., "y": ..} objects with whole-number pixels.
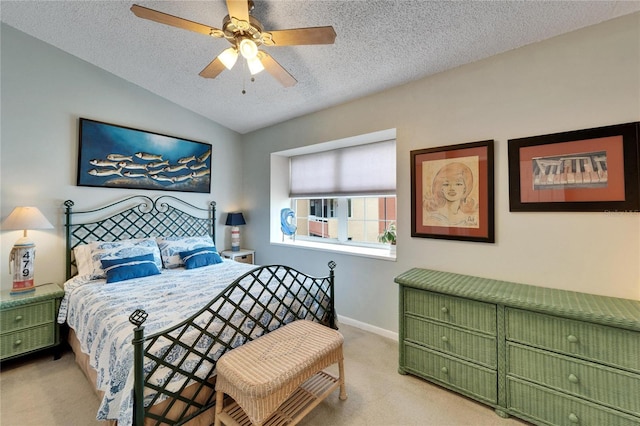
[{"x": 44, "y": 91}]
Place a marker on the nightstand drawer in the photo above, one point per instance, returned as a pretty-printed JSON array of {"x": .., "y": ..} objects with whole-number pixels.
[
  {"x": 472, "y": 346},
  {"x": 452, "y": 310},
  {"x": 609, "y": 345},
  {"x": 471, "y": 379},
  {"x": 27, "y": 340},
  {"x": 27, "y": 315},
  {"x": 581, "y": 378},
  {"x": 549, "y": 407},
  {"x": 247, "y": 258}
]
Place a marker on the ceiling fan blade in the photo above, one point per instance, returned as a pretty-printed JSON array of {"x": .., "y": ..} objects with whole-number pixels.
[
  {"x": 239, "y": 9},
  {"x": 297, "y": 36},
  {"x": 276, "y": 70},
  {"x": 212, "y": 70},
  {"x": 174, "y": 21}
]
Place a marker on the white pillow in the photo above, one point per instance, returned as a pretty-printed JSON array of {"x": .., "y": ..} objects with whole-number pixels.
[
  {"x": 121, "y": 249},
  {"x": 170, "y": 248},
  {"x": 84, "y": 264}
]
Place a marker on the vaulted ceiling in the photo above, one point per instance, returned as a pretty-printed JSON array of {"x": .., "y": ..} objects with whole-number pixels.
[{"x": 380, "y": 44}]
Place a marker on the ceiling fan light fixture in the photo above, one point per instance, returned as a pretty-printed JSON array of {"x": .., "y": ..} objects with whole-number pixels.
[
  {"x": 255, "y": 65},
  {"x": 228, "y": 57},
  {"x": 248, "y": 48}
]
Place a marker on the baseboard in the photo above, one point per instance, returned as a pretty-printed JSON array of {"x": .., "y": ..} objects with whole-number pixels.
[{"x": 367, "y": 327}]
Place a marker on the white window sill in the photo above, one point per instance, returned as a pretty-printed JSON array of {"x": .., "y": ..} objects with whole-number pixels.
[{"x": 375, "y": 253}]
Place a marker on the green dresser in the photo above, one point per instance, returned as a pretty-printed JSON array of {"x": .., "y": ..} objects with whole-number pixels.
[
  {"x": 28, "y": 321},
  {"x": 551, "y": 357}
]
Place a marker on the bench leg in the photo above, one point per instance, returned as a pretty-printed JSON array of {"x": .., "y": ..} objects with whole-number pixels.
[
  {"x": 219, "y": 407},
  {"x": 343, "y": 390}
]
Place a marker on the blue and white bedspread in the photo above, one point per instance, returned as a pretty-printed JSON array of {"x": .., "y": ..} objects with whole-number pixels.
[{"x": 99, "y": 314}]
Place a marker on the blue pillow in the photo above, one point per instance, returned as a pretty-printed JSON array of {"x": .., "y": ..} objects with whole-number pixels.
[
  {"x": 199, "y": 257},
  {"x": 129, "y": 267}
]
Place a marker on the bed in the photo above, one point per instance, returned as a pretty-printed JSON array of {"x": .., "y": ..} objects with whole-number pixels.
[{"x": 150, "y": 306}]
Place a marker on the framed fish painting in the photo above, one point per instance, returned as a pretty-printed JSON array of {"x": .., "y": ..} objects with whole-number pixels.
[{"x": 121, "y": 157}]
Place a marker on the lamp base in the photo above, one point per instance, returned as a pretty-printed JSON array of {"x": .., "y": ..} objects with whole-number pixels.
[
  {"x": 235, "y": 238},
  {"x": 21, "y": 287},
  {"x": 21, "y": 261}
]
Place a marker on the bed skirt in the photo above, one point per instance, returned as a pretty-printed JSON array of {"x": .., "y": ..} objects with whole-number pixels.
[{"x": 205, "y": 419}]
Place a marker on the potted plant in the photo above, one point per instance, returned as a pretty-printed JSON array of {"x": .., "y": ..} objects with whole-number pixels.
[{"x": 389, "y": 235}]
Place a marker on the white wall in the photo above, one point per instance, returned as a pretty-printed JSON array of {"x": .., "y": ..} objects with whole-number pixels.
[
  {"x": 44, "y": 91},
  {"x": 584, "y": 79}
]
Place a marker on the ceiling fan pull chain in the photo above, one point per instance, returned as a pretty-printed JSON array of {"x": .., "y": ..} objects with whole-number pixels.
[{"x": 244, "y": 69}]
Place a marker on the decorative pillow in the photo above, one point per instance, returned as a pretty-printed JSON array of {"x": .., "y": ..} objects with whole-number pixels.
[
  {"x": 171, "y": 247},
  {"x": 199, "y": 257},
  {"x": 101, "y": 250},
  {"x": 84, "y": 264},
  {"x": 129, "y": 267}
]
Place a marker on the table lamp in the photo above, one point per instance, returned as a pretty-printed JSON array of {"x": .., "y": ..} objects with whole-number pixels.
[
  {"x": 23, "y": 253},
  {"x": 234, "y": 220}
]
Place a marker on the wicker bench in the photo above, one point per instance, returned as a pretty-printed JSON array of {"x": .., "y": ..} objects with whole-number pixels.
[{"x": 277, "y": 378}]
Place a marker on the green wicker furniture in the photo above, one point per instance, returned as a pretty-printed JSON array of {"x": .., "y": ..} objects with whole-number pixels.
[
  {"x": 263, "y": 375},
  {"x": 28, "y": 321},
  {"x": 547, "y": 356}
]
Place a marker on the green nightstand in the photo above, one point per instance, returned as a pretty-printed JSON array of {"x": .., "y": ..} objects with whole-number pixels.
[{"x": 28, "y": 321}]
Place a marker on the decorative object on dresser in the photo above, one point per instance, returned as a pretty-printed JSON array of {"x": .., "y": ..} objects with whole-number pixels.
[
  {"x": 452, "y": 192},
  {"x": 547, "y": 356},
  {"x": 23, "y": 253},
  {"x": 242, "y": 255},
  {"x": 235, "y": 220},
  {"x": 121, "y": 157},
  {"x": 590, "y": 170},
  {"x": 28, "y": 321}
]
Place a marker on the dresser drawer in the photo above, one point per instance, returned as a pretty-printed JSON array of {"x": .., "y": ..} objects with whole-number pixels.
[
  {"x": 26, "y": 340},
  {"x": 465, "y": 313},
  {"x": 27, "y": 315},
  {"x": 609, "y": 345},
  {"x": 472, "y": 346},
  {"x": 549, "y": 407},
  {"x": 471, "y": 379},
  {"x": 616, "y": 388}
]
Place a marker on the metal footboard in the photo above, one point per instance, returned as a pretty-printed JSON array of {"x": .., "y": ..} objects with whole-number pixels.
[{"x": 185, "y": 355}]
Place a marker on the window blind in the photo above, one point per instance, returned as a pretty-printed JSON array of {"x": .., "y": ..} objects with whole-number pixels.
[{"x": 357, "y": 170}]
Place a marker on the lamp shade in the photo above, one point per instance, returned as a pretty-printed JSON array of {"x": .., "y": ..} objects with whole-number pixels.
[
  {"x": 26, "y": 218},
  {"x": 235, "y": 219}
]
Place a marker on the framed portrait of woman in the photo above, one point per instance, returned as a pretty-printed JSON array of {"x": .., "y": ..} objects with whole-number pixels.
[{"x": 452, "y": 192}]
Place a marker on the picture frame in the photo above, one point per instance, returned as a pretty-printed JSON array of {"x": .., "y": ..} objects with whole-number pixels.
[
  {"x": 452, "y": 192},
  {"x": 116, "y": 156},
  {"x": 588, "y": 170}
]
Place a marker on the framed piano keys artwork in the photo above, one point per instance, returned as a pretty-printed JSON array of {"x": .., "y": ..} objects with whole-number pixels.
[
  {"x": 589, "y": 170},
  {"x": 452, "y": 192}
]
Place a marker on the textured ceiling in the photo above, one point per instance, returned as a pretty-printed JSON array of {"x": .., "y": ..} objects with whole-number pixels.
[{"x": 379, "y": 44}]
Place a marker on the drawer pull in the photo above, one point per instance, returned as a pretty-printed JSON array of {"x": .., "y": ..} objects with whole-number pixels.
[
  {"x": 571, "y": 338},
  {"x": 17, "y": 342},
  {"x": 18, "y": 318},
  {"x": 573, "y": 418},
  {"x": 445, "y": 310},
  {"x": 444, "y": 370},
  {"x": 572, "y": 378},
  {"x": 444, "y": 339}
]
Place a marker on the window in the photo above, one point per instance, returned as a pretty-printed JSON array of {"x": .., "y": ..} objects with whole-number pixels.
[
  {"x": 343, "y": 193},
  {"x": 365, "y": 218}
]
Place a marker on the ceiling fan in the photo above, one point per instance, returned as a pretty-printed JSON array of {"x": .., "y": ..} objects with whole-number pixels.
[{"x": 246, "y": 35}]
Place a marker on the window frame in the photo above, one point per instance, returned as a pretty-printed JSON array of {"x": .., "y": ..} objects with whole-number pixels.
[{"x": 280, "y": 199}]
